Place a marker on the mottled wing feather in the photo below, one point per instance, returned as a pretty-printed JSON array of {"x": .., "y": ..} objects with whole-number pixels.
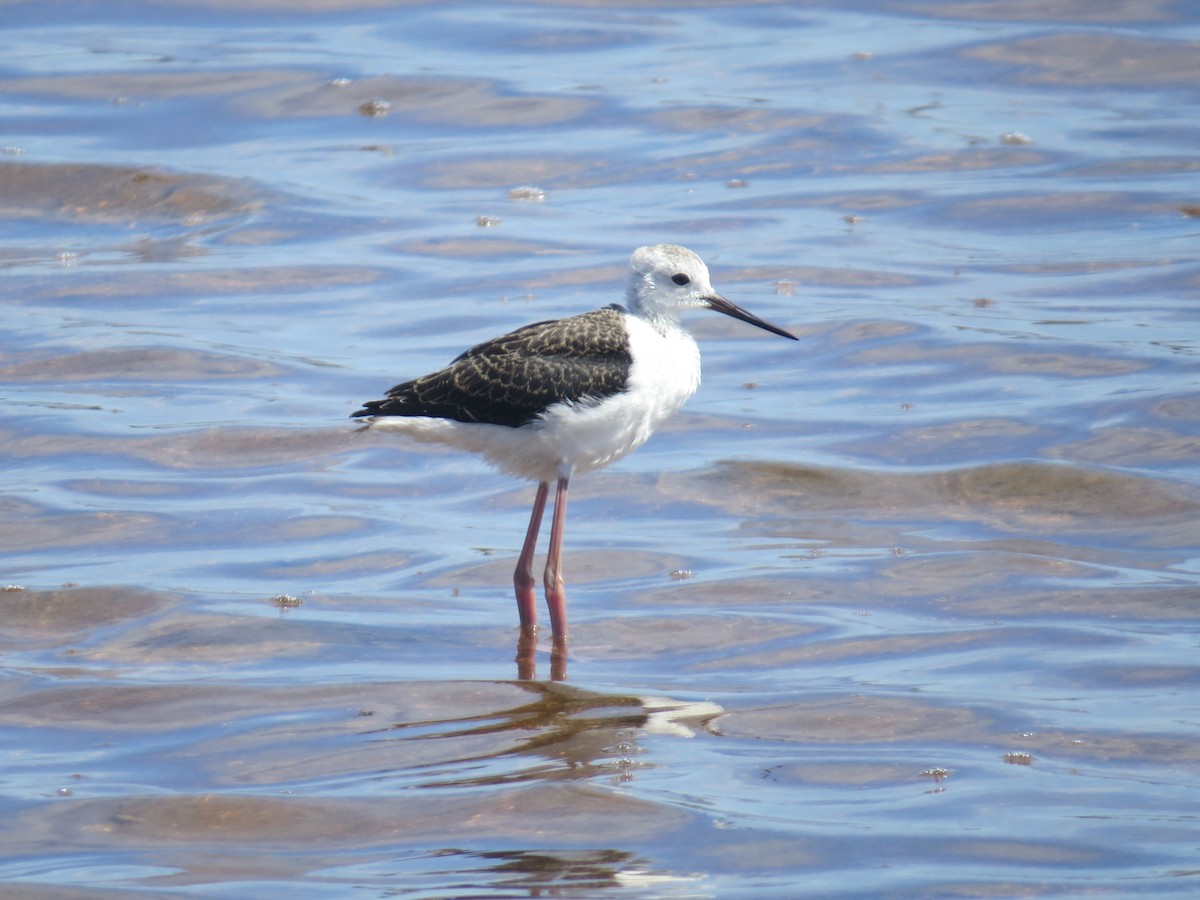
[{"x": 511, "y": 379}]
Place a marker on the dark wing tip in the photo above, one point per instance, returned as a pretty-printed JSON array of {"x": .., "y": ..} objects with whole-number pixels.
[{"x": 370, "y": 408}]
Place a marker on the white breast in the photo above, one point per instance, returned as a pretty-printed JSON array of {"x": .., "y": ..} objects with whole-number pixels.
[{"x": 665, "y": 372}]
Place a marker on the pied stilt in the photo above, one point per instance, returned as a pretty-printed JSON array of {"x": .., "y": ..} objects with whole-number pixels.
[{"x": 555, "y": 399}]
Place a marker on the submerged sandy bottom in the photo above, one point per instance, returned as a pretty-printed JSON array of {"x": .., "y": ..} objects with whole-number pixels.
[{"x": 908, "y": 609}]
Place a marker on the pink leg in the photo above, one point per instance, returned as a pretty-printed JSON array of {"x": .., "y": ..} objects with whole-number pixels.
[
  {"x": 523, "y": 576},
  {"x": 556, "y": 592}
]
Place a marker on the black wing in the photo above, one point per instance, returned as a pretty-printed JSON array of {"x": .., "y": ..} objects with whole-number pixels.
[{"x": 512, "y": 379}]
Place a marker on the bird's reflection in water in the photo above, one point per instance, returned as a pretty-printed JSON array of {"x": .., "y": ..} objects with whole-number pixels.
[
  {"x": 538, "y": 747},
  {"x": 552, "y": 871},
  {"x": 569, "y": 734}
]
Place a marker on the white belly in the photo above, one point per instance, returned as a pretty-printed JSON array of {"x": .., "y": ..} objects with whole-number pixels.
[{"x": 569, "y": 439}]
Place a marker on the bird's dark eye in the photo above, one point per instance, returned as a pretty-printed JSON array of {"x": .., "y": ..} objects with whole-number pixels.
[{"x": 681, "y": 279}]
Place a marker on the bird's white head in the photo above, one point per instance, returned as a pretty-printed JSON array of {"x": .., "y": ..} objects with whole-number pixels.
[{"x": 665, "y": 280}]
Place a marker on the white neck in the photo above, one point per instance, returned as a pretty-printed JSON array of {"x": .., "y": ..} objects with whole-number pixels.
[{"x": 664, "y": 321}]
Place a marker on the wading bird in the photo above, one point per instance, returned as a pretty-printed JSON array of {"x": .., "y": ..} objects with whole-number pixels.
[{"x": 556, "y": 399}]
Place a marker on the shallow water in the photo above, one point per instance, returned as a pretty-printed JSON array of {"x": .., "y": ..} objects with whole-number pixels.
[{"x": 909, "y": 609}]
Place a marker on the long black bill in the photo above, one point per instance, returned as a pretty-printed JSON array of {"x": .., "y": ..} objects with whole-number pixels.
[{"x": 719, "y": 304}]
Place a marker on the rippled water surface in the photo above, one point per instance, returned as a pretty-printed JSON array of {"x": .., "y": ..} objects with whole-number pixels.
[{"x": 909, "y": 608}]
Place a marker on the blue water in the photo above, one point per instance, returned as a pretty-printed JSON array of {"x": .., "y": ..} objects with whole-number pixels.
[{"x": 907, "y": 609}]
